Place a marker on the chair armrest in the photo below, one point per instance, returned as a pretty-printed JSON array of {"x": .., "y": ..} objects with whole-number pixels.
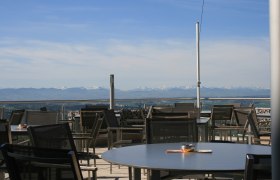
[
  {"x": 76, "y": 134},
  {"x": 93, "y": 169},
  {"x": 230, "y": 128},
  {"x": 265, "y": 133},
  {"x": 124, "y": 128},
  {"x": 82, "y": 138},
  {"x": 24, "y": 142},
  {"x": 138, "y": 126},
  {"x": 88, "y": 168}
]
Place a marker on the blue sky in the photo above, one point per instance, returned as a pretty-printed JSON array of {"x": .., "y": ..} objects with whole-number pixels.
[{"x": 144, "y": 43}]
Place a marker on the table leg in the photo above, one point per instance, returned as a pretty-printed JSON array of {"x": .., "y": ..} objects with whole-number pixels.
[
  {"x": 250, "y": 136},
  {"x": 2, "y": 175},
  {"x": 206, "y": 133},
  {"x": 155, "y": 175},
  {"x": 136, "y": 174},
  {"x": 203, "y": 132}
]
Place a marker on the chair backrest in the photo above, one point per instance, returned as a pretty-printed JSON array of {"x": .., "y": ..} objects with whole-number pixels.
[
  {"x": 16, "y": 117},
  {"x": 89, "y": 113},
  {"x": 41, "y": 117},
  {"x": 221, "y": 114},
  {"x": 252, "y": 121},
  {"x": 241, "y": 115},
  {"x": 5, "y": 132},
  {"x": 111, "y": 119},
  {"x": 26, "y": 162},
  {"x": 132, "y": 117},
  {"x": 95, "y": 132},
  {"x": 2, "y": 111},
  {"x": 55, "y": 136},
  {"x": 254, "y": 117},
  {"x": 158, "y": 111},
  {"x": 162, "y": 130},
  {"x": 226, "y": 105},
  {"x": 257, "y": 167},
  {"x": 88, "y": 117},
  {"x": 185, "y": 106}
]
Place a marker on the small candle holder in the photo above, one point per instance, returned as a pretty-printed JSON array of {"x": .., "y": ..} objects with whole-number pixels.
[{"x": 187, "y": 147}]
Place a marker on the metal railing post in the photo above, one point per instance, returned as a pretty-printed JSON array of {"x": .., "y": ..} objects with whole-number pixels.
[{"x": 112, "y": 92}]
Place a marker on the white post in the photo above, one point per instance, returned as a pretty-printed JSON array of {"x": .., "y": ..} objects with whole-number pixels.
[
  {"x": 198, "y": 68},
  {"x": 275, "y": 85},
  {"x": 112, "y": 92}
]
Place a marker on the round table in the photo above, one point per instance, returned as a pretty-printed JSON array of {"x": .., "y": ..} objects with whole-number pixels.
[{"x": 225, "y": 157}]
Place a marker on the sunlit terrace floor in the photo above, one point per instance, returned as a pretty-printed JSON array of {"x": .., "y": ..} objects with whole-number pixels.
[{"x": 118, "y": 172}]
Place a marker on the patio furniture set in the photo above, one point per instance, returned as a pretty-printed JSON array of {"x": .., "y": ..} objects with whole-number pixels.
[{"x": 235, "y": 136}]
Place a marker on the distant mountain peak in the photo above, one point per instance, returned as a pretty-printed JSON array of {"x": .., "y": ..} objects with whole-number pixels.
[{"x": 80, "y": 93}]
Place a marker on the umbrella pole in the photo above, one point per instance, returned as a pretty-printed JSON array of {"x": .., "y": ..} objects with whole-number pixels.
[{"x": 198, "y": 68}]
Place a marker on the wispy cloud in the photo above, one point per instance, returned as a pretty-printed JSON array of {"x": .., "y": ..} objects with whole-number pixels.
[{"x": 149, "y": 63}]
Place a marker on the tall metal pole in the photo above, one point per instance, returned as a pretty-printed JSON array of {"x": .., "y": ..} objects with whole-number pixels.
[
  {"x": 198, "y": 68},
  {"x": 275, "y": 85},
  {"x": 112, "y": 92}
]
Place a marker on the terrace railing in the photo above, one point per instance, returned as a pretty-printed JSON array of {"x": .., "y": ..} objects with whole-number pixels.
[{"x": 66, "y": 106}]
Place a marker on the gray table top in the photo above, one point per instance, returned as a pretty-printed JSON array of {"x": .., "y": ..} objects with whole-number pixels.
[{"x": 224, "y": 157}]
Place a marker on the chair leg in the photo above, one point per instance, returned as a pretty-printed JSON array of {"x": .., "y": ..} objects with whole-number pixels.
[
  {"x": 94, "y": 160},
  {"x": 2, "y": 175},
  {"x": 129, "y": 173}
]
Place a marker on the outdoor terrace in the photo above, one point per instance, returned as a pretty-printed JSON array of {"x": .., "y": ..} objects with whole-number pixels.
[{"x": 121, "y": 172}]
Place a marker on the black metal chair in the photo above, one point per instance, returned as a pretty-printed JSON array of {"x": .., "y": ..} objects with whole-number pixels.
[
  {"x": 26, "y": 162},
  {"x": 88, "y": 119},
  {"x": 5, "y": 137},
  {"x": 58, "y": 136},
  {"x": 221, "y": 119},
  {"x": 89, "y": 115},
  {"x": 258, "y": 167},
  {"x": 118, "y": 135},
  {"x": 170, "y": 130},
  {"x": 121, "y": 136},
  {"x": 5, "y": 132},
  {"x": 241, "y": 117},
  {"x": 90, "y": 138},
  {"x": 257, "y": 133},
  {"x": 132, "y": 117}
]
